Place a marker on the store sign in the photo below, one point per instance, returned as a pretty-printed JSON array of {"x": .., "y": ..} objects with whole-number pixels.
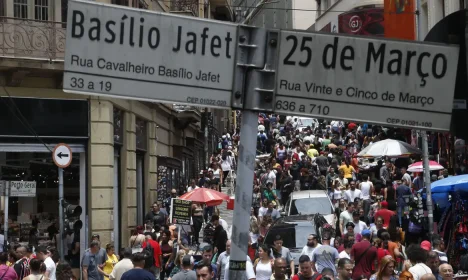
[
  {"x": 181, "y": 211},
  {"x": 23, "y": 188},
  {"x": 145, "y": 55},
  {"x": 393, "y": 83}
]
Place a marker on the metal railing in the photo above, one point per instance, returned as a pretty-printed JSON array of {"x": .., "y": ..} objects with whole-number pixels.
[
  {"x": 32, "y": 39},
  {"x": 185, "y": 6}
]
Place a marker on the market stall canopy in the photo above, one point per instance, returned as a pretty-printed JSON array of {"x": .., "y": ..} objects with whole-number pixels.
[
  {"x": 389, "y": 148},
  {"x": 418, "y": 166},
  {"x": 451, "y": 184},
  {"x": 207, "y": 196}
]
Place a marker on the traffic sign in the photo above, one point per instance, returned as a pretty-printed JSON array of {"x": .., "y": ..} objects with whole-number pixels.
[
  {"x": 132, "y": 53},
  {"x": 389, "y": 82},
  {"x": 62, "y": 155}
]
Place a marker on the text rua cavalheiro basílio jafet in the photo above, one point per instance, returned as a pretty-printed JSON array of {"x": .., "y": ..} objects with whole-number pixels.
[{"x": 147, "y": 55}]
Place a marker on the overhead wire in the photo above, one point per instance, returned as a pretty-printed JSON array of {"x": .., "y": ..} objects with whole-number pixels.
[
  {"x": 297, "y": 9},
  {"x": 21, "y": 118}
]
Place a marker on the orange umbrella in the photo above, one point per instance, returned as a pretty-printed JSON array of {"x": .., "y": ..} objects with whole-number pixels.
[{"x": 207, "y": 196}]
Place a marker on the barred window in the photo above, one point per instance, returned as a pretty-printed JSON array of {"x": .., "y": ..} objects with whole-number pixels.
[
  {"x": 41, "y": 9},
  {"x": 20, "y": 8}
]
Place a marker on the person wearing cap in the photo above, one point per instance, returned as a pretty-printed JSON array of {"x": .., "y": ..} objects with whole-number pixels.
[
  {"x": 325, "y": 255},
  {"x": 417, "y": 257},
  {"x": 138, "y": 272},
  {"x": 187, "y": 272},
  {"x": 426, "y": 245},
  {"x": 364, "y": 256},
  {"x": 278, "y": 251},
  {"x": 384, "y": 213},
  {"x": 124, "y": 265}
]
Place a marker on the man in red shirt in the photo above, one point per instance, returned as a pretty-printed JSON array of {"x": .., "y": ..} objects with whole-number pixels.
[
  {"x": 150, "y": 239},
  {"x": 384, "y": 213},
  {"x": 364, "y": 255}
]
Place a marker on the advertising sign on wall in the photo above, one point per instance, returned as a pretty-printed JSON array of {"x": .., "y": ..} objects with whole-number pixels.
[{"x": 362, "y": 22}]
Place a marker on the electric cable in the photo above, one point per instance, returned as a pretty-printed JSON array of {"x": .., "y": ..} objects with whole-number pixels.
[{"x": 22, "y": 119}]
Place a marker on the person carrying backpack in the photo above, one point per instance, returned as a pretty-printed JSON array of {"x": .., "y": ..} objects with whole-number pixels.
[{"x": 153, "y": 254}]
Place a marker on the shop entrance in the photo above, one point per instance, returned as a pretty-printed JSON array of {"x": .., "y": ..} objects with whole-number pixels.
[{"x": 39, "y": 213}]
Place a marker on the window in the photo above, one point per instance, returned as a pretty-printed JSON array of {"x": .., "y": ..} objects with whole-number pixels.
[
  {"x": 41, "y": 9},
  {"x": 64, "y": 11},
  {"x": 20, "y": 8},
  {"x": 2, "y": 8}
]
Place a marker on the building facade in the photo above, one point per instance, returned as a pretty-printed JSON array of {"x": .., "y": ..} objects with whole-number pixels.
[{"x": 126, "y": 154}]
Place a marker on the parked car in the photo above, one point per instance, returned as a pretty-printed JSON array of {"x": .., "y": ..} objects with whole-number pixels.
[
  {"x": 310, "y": 202},
  {"x": 294, "y": 231}
]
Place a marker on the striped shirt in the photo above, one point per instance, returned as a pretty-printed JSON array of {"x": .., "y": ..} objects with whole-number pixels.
[{"x": 22, "y": 267}]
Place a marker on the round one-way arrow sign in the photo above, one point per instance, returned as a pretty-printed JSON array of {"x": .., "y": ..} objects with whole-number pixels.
[{"x": 62, "y": 155}]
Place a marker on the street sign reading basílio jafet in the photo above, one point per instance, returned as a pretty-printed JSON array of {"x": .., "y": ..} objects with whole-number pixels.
[
  {"x": 389, "y": 82},
  {"x": 129, "y": 53}
]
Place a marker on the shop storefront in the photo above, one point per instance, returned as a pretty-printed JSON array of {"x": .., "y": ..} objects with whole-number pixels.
[
  {"x": 169, "y": 176},
  {"x": 29, "y": 130}
]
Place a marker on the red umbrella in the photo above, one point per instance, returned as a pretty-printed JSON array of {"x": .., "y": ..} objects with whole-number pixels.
[
  {"x": 207, "y": 196},
  {"x": 418, "y": 166}
]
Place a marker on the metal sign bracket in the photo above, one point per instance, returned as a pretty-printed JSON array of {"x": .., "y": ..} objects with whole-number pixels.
[{"x": 254, "y": 78}]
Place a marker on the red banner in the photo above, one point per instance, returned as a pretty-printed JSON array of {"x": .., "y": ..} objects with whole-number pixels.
[{"x": 400, "y": 19}]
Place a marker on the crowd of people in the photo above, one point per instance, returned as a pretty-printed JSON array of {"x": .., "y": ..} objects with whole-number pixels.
[{"x": 379, "y": 231}]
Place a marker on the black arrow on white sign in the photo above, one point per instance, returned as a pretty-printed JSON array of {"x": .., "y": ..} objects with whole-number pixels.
[{"x": 60, "y": 155}]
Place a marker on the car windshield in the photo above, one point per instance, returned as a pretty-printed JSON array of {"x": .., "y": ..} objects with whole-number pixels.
[
  {"x": 312, "y": 205},
  {"x": 294, "y": 235},
  {"x": 306, "y": 122}
]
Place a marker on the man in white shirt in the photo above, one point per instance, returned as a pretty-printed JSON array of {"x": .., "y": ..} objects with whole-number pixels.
[
  {"x": 43, "y": 254},
  {"x": 346, "y": 216},
  {"x": 352, "y": 193},
  {"x": 123, "y": 265},
  {"x": 312, "y": 244},
  {"x": 222, "y": 261},
  {"x": 359, "y": 225}
]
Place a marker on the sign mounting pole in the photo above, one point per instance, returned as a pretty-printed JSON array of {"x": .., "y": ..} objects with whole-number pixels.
[
  {"x": 5, "y": 222},
  {"x": 61, "y": 225},
  {"x": 62, "y": 156},
  {"x": 253, "y": 74},
  {"x": 425, "y": 149}
]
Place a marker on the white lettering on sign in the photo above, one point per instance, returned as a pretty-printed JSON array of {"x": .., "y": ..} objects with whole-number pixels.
[
  {"x": 23, "y": 188},
  {"x": 117, "y": 51},
  {"x": 333, "y": 76}
]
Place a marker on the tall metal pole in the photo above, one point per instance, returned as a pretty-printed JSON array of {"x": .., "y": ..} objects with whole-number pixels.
[
  {"x": 61, "y": 225},
  {"x": 5, "y": 222},
  {"x": 243, "y": 201},
  {"x": 207, "y": 155},
  {"x": 425, "y": 148}
]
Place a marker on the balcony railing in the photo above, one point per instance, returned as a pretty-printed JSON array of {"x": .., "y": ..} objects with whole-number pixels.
[
  {"x": 185, "y": 6},
  {"x": 32, "y": 39}
]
